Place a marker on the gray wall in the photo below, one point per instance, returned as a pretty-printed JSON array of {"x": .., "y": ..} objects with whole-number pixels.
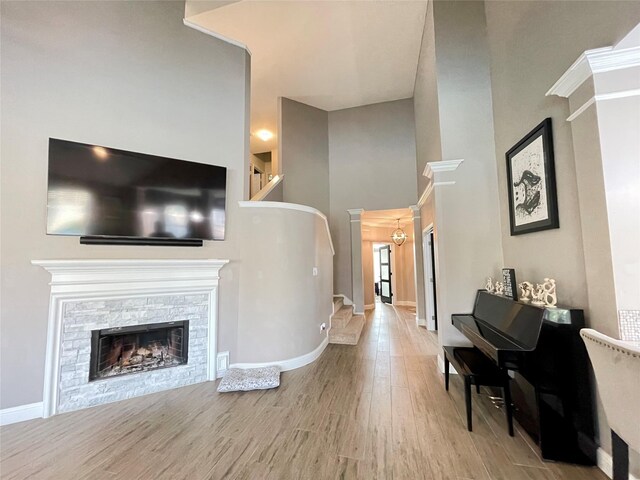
[
  {"x": 372, "y": 162},
  {"x": 122, "y": 74},
  {"x": 282, "y": 304},
  {"x": 532, "y": 44},
  {"x": 425, "y": 103},
  {"x": 304, "y": 154},
  {"x": 468, "y": 229}
]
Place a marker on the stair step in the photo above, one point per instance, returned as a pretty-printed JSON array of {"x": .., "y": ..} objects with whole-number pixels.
[
  {"x": 338, "y": 303},
  {"x": 348, "y": 335},
  {"x": 341, "y": 318}
]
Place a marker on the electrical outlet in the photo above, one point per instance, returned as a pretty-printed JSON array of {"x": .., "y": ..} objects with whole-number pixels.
[
  {"x": 315, "y": 271},
  {"x": 323, "y": 327},
  {"x": 222, "y": 361}
]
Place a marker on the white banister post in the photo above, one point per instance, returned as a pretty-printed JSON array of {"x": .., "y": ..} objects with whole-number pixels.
[{"x": 356, "y": 260}]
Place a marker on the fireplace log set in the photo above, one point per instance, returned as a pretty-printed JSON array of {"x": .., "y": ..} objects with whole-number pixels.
[{"x": 120, "y": 354}]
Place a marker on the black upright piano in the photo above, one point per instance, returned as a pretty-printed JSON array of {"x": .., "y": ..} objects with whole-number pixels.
[{"x": 550, "y": 386}]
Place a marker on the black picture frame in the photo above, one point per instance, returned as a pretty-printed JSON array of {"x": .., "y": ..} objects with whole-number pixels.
[
  {"x": 509, "y": 282},
  {"x": 533, "y": 199}
]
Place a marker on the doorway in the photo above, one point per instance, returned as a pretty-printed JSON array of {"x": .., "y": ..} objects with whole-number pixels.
[
  {"x": 390, "y": 282},
  {"x": 386, "y": 293},
  {"x": 428, "y": 247}
]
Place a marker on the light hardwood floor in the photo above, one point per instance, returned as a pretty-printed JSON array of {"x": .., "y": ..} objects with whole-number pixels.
[{"x": 375, "y": 410}]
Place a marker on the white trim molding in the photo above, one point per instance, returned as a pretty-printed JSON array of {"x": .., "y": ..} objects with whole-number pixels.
[
  {"x": 605, "y": 463},
  {"x": 20, "y": 413},
  {"x": 206, "y": 31},
  {"x": 404, "y": 303},
  {"x": 88, "y": 280},
  {"x": 290, "y": 206},
  {"x": 441, "y": 166},
  {"x": 601, "y": 98},
  {"x": 355, "y": 214},
  {"x": 291, "y": 363},
  {"x": 268, "y": 188},
  {"x": 421, "y": 322},
  {"x": 599, "y": 60},
  {"x": 425, "y": 194}
]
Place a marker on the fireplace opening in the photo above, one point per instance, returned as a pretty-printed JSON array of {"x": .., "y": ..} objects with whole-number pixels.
[{"x": 140, "y": 348}]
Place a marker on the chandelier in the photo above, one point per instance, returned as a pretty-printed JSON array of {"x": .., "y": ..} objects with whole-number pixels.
[{"x": 398, "y": 236}]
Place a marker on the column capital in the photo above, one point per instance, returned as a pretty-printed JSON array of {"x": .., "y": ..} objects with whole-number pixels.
[{"x": 355, "y": 213}]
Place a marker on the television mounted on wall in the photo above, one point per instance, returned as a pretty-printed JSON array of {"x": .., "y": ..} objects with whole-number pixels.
[{"x": 106, "y": 195}]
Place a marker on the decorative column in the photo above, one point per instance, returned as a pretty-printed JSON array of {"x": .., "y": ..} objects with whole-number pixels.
[
  {"x": 356, "y": 260},
  {"x": 603, "y": 89},
  {"x": 418, "y": 267}
]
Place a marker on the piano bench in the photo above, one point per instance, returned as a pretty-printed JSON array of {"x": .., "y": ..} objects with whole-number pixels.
[{"x": 478, "y": 370}]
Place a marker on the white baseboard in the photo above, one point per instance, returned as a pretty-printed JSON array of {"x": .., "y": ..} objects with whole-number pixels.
[
  {"x": 421, "y": 322},
  {"x": 346, "y": 300},
  {"x": 290, "y": 364},
  {"x": 21, "y": 413},
  {"x": 431, "y": 325},
  {"x": 371, "y": 306},
  {"x": 605, "y": 463},
  {"x": 404, "y": 303},
  {"x": 441, "y": 366}
]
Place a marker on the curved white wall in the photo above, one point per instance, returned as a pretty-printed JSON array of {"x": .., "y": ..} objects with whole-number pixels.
[{"x": 282, "y": 304}]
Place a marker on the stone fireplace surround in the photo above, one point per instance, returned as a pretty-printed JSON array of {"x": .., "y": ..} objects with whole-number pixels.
[{"x": 90, "y": 295}]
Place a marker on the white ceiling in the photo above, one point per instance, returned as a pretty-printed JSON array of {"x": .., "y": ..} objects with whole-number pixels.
[
  {"x": 387, "y": 218},
  {"x": 328, "y": 54}
]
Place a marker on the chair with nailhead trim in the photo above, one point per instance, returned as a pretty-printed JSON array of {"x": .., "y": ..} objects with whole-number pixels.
[{"x": 616, "y": 364}]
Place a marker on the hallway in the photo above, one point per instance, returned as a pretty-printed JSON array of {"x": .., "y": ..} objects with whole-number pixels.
[{"x": 376, "y": 410}]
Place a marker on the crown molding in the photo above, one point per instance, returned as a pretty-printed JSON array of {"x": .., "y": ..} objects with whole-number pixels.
[
  {"x": 599, "y": 60},
  {"x": 425, "y": 194},
  {"x": 441, "y": 166},
  {"x": 355, "y": 211}
]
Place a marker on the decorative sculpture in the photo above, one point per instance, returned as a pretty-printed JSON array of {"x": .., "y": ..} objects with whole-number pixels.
[
  {"x": 526, "y": 290},
  {"x": 489, "y": 286},
  {"x": 538, "y": 295},
  {"x": 499, "y": 288},
  {"x": 549, "y": 296}
]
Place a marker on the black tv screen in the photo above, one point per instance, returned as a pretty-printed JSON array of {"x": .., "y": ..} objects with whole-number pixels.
[{"x": 105, "y": 192}]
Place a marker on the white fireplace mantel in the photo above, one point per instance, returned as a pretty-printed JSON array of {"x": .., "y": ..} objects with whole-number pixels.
[{"x": 91, "y": 280}]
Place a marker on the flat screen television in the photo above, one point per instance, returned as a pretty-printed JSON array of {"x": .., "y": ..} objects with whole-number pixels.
[{"x": 96, "y": 191}]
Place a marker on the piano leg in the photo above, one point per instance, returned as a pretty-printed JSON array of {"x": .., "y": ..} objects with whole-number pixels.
[
  {"x": 446, "y": 373},
  {"x": 467, "y": 397},
  {"x": 508, "y": 403}
]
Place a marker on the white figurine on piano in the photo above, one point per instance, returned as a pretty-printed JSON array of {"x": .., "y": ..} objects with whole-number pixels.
[
  {"x": 526, "y": 291},
  {"x": 489, "y": 285},
  {"x": 549, "y": 297}
]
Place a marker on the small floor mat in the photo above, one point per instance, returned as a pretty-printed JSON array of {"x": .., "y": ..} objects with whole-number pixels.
[{"x": 246, "y": 379}]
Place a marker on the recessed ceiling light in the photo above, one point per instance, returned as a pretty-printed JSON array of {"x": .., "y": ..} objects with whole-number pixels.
[
  {"x": 101, "y": 152},
  {"x": 264, "y": 135}
]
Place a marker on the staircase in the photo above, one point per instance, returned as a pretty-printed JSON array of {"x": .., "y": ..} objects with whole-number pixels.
[{"x": 345, "y": 326}]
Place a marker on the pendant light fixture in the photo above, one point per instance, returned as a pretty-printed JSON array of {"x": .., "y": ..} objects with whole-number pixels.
[{"x": 399, "y": 236}]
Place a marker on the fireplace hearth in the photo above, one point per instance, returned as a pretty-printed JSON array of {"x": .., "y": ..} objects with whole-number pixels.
[{"x": 140, "y": 348}]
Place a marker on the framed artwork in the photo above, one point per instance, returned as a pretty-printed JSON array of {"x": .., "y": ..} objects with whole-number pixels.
[{"x": 533, "y": 202}]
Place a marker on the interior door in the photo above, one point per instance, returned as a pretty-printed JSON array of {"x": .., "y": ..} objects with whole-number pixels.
[
  {"x": 430, "y": 283},
  {"x": 385, "y": 274}
]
